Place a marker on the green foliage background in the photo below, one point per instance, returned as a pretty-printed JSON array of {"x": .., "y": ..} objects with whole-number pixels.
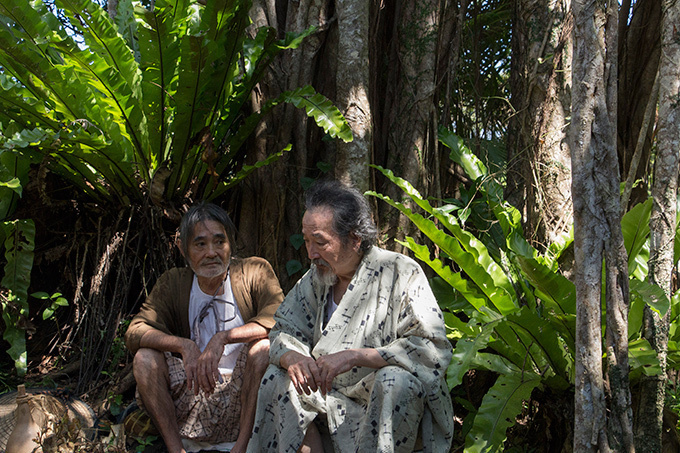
[
  {"x": 508, "y": 308},
  {"x": 148, "y": 111}
]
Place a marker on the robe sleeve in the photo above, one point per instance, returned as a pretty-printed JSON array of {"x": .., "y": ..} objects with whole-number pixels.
[
  {"x": 423, "y": 349},
  {"x": 421, "y": 346},
  {"x": 295, "y": 322}
]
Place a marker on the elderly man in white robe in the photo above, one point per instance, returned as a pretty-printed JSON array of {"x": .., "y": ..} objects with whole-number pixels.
[{"x": 359, "y": 350}]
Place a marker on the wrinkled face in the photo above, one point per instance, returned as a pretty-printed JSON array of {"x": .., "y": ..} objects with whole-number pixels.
[
  {"x": 208, "y": 250},
  {"x": 325, "y": 247}
]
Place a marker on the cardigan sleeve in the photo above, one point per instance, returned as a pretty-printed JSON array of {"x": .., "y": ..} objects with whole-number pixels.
[
  {"x": 165, "y": 309},
  {"x": 257, "y": 291},
  {"x": 254, "y": 283}
]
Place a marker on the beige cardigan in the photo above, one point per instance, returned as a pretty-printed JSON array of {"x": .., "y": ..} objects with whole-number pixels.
[{"x": 253, "y": 282}]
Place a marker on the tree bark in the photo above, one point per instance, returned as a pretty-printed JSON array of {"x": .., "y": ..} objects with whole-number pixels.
[
  {"x": 393, "y": 87},
  {"x": 597, "y": 236},
  {"x": 539, "y": 178},
  {"x": 409, "y": 143},
  {"x": 352, "y": 159},
  {"x": 269, "y": 204},
  {"x": 649, "y": 415},
  {"x": 620, "y": 422}
]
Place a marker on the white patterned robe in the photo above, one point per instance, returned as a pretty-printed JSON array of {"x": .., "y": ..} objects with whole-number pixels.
[{"x": 388, "y": 306}]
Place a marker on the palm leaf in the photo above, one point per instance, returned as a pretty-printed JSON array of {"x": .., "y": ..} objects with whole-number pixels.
[
  {"x": 13, "y": 175},
  {"x": 19, "y": 105},
  {"x": 477, "y": 250},
  {"x": 556, "y": 293},
  {"x": 325, "y": 114},
  {"x": 109, "y": 66},
  {"x": 52, "y": 78},
  {"x": 471, "y": 292},
  {"x": 500, "y": 406},
  {"x": 159, "y": 30},
  {"x": 472, "y": 166},
  {"x": 465, "y": 353},
  {"x": 209, "y": 55},
  {"x": 231, "y": 17},
  {"x": 635, "y": 229},
  {"x": 245, "y": 171},
  {"x": 473, "y": 259},
  {"x": 642, "y": 359},
  {"x": 31, "y": 65},
  {"x": 653, "y": 295},
  {"x": 257, "y": 56},
  {"x": 536, "y": 338},
  {"x": 495, "y": 363},
  {"x": 19, "y": 245}
]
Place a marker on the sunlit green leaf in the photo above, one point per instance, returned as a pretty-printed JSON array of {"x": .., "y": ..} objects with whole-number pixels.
[
  {"x": 635, "y": 229},
  {"x": 653, "y": 295},
  {"x": 500, "y": 406},
  {"x": 642, "y": 359}
]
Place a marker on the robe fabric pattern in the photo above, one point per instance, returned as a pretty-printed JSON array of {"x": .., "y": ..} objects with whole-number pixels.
[{"x": 388, "y": 306}]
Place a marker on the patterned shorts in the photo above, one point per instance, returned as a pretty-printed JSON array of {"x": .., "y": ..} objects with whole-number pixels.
[{"x": 206, "y": 418}]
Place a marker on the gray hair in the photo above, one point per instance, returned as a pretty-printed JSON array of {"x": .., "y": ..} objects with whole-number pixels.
[
  {"x": 200, "y": 213},
  {"x": 351, "y": 212}
]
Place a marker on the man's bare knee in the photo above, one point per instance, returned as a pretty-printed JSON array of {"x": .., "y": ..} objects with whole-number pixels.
[
  {"x": 148, "y": 363},
  {"x": 258, "y": 356}
]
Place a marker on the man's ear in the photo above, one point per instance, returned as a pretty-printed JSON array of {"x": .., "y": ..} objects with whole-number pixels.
[
  {"x": 356, "y": 242},
  {"x": 178, "y": 243}
]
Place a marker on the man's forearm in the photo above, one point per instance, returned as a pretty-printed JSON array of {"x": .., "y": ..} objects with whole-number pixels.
[
  {"x": 161, "y": 341},
  {"x": 368, "y": 357},
  {"x": 291, "y": 357},
  {"x": 245, "y": 334}
]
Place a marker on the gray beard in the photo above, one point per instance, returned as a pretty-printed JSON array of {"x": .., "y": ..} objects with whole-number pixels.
[
  {"x": 327, "y": 278},
  {"x": 211, "y": 272}
]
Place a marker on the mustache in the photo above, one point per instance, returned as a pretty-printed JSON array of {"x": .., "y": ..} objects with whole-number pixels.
[
  {"x": 320, "y": 262},
  {"x": 209, "y": 261}
]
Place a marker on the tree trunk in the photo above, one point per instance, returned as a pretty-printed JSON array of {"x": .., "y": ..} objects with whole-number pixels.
[
  {"x": 639, "y": 47},
  {"x": 539, "y": 178},
  {"x": 594, "y": 186},
  {"x": 620, "y": 423},
  {"x": 352, "y": 92},
  {"x": 649, "y": 415},
  {"x": 269, "y": 204},
  {"x": 409, "y": 143}
]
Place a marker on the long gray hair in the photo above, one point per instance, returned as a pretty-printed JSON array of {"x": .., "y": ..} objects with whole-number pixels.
[{"x": 351, "y": 212}]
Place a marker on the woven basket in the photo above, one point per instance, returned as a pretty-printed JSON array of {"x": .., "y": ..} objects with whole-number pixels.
[{"x": 55, "y": 402}]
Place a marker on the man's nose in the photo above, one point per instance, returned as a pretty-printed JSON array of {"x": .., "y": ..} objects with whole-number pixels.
[{"x": 312, "y": 253}]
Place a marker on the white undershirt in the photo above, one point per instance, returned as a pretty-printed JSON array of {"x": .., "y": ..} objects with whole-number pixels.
[{"x": 197, "y": 300}]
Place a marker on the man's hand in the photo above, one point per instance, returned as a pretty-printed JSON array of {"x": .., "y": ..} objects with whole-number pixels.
[
  {"x": 302, "y": 370},
  {"x": 309, "y": 375},
  {"x": 333, "y": 364},
  {"x": 208, "y": 373},
  {"x": 190, "y": 354}
]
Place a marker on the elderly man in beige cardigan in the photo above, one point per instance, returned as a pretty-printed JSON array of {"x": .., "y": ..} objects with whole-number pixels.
[{"x": 200, "y": 339}]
